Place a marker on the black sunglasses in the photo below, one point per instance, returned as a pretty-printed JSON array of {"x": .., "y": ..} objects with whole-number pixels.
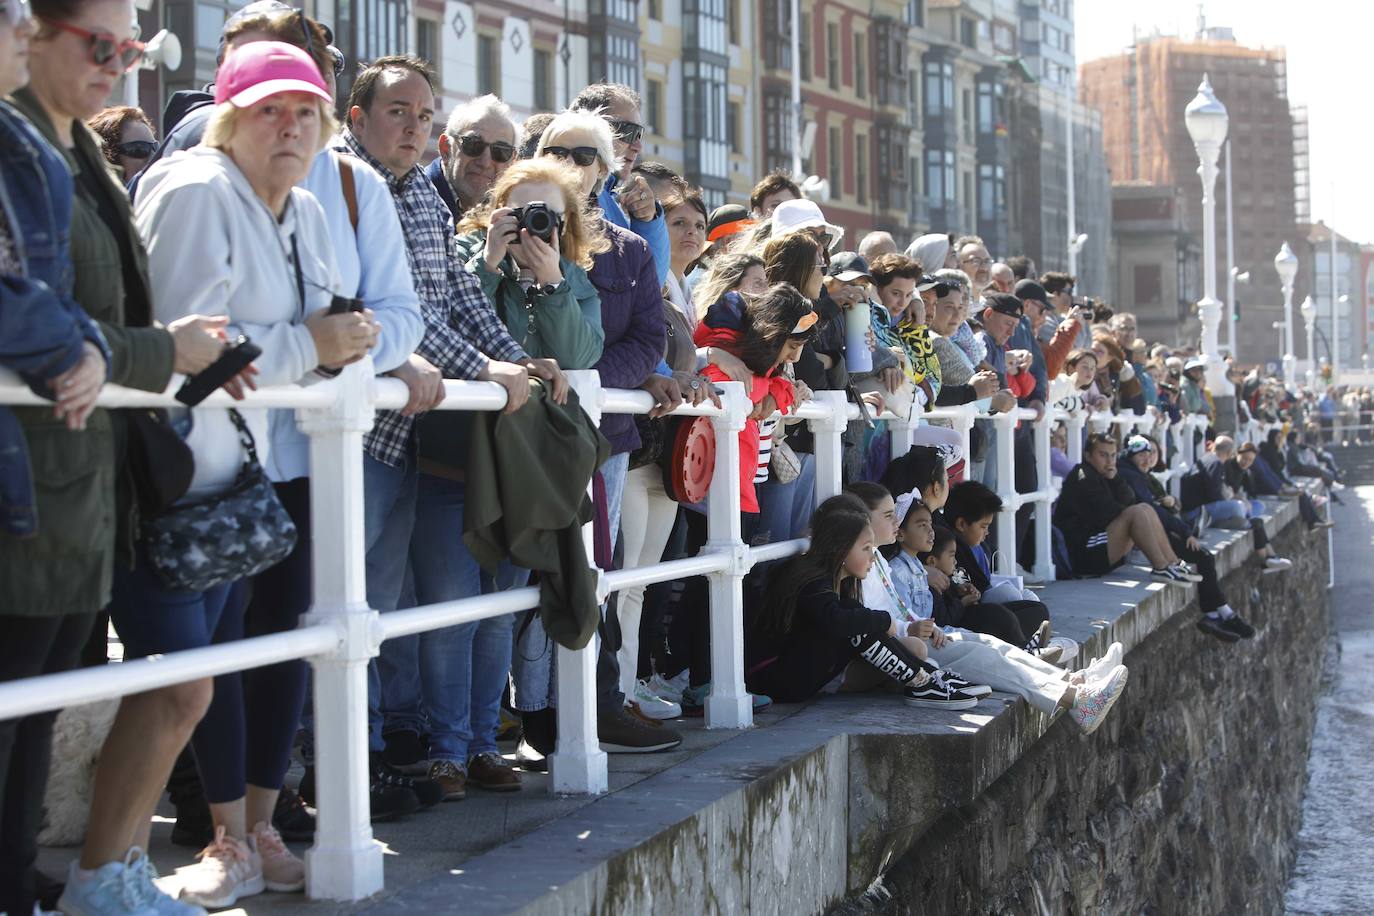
[
  {"x": 474, "y": 146},
  {"x": 626, "y": 131},
  {"x": 335, "y": 55},
  {"x": 582, "y": 155},
  {"x": 136, "y": 149}
]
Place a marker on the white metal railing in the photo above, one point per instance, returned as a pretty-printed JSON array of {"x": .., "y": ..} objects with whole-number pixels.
[{"x": 340, "y": 634}]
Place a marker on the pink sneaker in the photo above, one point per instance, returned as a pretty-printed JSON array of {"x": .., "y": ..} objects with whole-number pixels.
[
  {"x": 281, "y": 869},
  {"x": 228, "y": 870}
]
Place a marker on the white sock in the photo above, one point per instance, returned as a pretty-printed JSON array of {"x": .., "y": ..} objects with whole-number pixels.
[
  {"x": 84, "y": 874},
  {"x": 1224, "y": 612}
]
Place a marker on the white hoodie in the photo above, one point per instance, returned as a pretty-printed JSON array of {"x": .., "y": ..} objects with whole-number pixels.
[{"x": 214, "y": 248}]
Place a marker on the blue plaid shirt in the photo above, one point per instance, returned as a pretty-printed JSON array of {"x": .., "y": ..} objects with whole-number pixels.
[{"x": 462, "y": 330}]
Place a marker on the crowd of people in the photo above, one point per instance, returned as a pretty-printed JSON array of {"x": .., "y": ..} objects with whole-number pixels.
[{"x": 260, "y": 242}]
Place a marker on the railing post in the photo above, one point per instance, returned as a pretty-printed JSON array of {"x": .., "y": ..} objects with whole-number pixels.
[
  {"x": 1006, "y": 488},
  {"x": 1074, "y": 424},
  {"x": 829, "y": 444},
  {"x": 345, "y": 863},
  {"x": 728, "y": 705},
  {"x": 963, "y": 425},
  {"x": 1044, "y": 477},
  {"x": 902, "y": 433},
  {"x": 579, "y": 765}
]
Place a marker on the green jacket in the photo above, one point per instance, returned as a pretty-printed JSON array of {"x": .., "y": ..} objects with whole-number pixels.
[
  {"x": 67, "y": 568},
  {"x": 524, "y": 505},
  {"x": 565, "y": 326}
]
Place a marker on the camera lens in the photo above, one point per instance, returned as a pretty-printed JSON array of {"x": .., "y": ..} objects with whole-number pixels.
[{"x": 539, "y": 220}]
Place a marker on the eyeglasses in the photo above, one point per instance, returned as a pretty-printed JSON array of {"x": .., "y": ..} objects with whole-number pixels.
[
  {"x": 136, "y": 149},
  {"x": 977, "y": 262},
  {"x": 474, "y": 146},
  {"x": 581, "y": 155},
  {"x": 626, "y": 131},
  {"x": 104, "y": 47},
  {"x": 17, "y": 12}
]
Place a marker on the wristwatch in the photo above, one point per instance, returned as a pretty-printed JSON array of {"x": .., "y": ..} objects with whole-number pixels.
[{"x": 544, "y": 289}]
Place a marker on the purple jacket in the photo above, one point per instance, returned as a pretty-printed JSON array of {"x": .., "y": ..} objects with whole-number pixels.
[{"x": 632, "y": 317}]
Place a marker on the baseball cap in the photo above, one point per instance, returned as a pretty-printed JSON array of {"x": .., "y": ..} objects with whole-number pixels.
[
  {"x": 1029, "y": 289},
  {"x": 727, "y": 220},
  {"x": 848, "y": 266},
  {"x": 266, "y": 68},
  {"x": 1003, "y": 303},
  {"x": 1137, "y": 444},
  {"x": 1194, "y": 363},
  {"x": 791, "y": 215},
  {"x": 926, "y": 282}
]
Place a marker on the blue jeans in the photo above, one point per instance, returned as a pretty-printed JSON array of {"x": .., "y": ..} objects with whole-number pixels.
[
  {"x": 389, "y": 495},
  {"x": 785, "y": 508},
  {"x": 450, "y": 680}
]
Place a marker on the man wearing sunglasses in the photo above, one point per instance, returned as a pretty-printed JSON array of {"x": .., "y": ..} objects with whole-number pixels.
[
  {"x": 626, "y": 198},
  {"x": 475, "y": 149}
]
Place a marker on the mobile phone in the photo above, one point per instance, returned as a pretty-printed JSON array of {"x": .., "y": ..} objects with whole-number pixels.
[
  {"x": 340, "y": 304},
  {"x": 235, "y": 359}
]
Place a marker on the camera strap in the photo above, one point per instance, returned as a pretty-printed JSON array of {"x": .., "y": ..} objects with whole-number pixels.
[{"x": 300, "y": 278}]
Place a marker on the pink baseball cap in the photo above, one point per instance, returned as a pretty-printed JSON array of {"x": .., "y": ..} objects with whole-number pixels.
[{"x": 260, "y": 69}]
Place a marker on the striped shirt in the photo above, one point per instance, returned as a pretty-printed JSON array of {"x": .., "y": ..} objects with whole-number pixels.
[
  {"x": 766, "y": 428},
  {"x": 462, "y": 330}
]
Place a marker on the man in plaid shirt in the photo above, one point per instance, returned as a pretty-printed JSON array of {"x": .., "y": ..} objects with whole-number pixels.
[{"x": 391, "y": 109}]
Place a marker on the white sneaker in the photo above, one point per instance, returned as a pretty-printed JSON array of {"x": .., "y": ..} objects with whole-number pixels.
[
  {"x": 1093, "y": 701},
  {"x": 1101, "y": 667},
  {"x": 1069, "y": 649},
  {"x": 662, "y": 688},
  {"x": 228, "y": 870},
  {"x": 1276, "y": 565},
  {"x": 653, "y": 705}
]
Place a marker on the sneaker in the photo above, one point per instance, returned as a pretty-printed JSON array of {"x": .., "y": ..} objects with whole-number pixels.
[
  {"x": 1094, "y": 700},
  {"x": 1102, "y": 666},
  {"x": 664, "y": 689},
  {"x": 292, "y": 819},
  {"x": 388, "y": 802},
  {"x": 1236, "y": 624},
  {"x": 426, "y": 791},
  {"x": 652, "y": 705},
  {"x": 1277, "y": 565},
  {"x": 1172, "y": 574},
  {"x": 1215, "y": 626},
  {"x": 282, "y": 871},
  {"x": 1049, "y": 654},
  {"x": 120, "y": 888},
  {"x": 450, "y": 778},
  {"x": 493, "y": 773},
  {"x": 1040, "y": 638},
  {"x": 953, "y": 679},
  {"x": 936, "y": 694},
  {"x": 693, "y": 701},
  {"x": 1068, "y": 650},
  {"x": 621, "y": 733},
  {"x": 632, "y": 708},
  {"x": 228, "y": 870},
  {"x": 407, "y": 752}
]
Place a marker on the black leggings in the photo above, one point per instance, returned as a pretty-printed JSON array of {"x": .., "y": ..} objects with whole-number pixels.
[
  {"x": 1209, "y": 594},
  {"x": 800, "y": 673},
  {"x": 1013, "y": 622},
  {"x": 32, "y": 646}
]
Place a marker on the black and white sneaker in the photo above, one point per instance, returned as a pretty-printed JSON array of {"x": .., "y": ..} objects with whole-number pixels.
[
  {"x": 935, "y": 694},
  {"x": 1215, "y": 626},
  {"x": 1236, "y": 624},
  {"x": 1175, "y": 573},
  {"x": 963, "y": 686}
]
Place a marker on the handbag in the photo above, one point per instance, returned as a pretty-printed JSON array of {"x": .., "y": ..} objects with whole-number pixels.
[
  {"x": 784, "y": 463},
  {"x": 232, "y": 535},
  {"x": 160, "y": 462},
  {"x": 652, "y": 434}
]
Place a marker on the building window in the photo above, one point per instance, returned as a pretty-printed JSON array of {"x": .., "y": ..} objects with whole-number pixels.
[
  {"x": 777, "y": 131},
  {"x": 940, "y": 187},
  {"x": 733, "y": 127},
  {"x": 967, "y": 115},
  {"x": 861, "y": 169},
  {"x": 732, "y": 21},
  {"x": 968, "y": 32},
  {"x": 916, "y": 12},
  {"x": 655, "y": 10},
  {"x": 970, "y": 207},
  {"x": 653, "y": 107},
  {"x": 860, "y": 68},
  {"x": 804, "y": 46},
  {"x": 836, "y": 162},
  {"x": 543, "y": 79},
  {"x": 488, "y": 65},
  {"x": 1147, "y": 285},
  {"x": 832, "y": 54},
  {"x": 427, "y": 42}
]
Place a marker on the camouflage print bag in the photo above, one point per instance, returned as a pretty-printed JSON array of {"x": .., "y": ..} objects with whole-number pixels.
[{"x": 223, "y": 538}]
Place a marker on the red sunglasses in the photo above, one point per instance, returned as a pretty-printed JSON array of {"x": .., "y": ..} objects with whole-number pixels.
[{"x": 104, "y": 47}]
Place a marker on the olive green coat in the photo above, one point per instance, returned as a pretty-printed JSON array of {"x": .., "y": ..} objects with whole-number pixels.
[{"x": 67, "y": 567}]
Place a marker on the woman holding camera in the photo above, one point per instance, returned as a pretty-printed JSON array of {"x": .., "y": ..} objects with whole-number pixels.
[{"x": 531, "y": 248}]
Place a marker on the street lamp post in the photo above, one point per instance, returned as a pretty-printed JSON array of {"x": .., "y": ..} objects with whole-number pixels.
[
  {"x": 1286, "y": 263},
  {"x": 1207, "y": 123},
  {"x": 1309, "y": 317}
]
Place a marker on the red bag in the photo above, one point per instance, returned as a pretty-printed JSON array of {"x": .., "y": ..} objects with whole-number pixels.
[{"x": 690, "y": 460}]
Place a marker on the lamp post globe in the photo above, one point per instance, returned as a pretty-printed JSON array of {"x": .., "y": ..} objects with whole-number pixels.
[
  {"x": 1286, "y": 264},
  {"x": 1309, "y": 317},
  {"x": 1207, "y": 123}
]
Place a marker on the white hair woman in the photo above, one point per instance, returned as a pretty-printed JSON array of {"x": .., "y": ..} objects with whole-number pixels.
[{"x": 229, "y": 234}]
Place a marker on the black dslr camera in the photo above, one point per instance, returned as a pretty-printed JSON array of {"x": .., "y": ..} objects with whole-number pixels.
[{"x": 537, "y": 219}]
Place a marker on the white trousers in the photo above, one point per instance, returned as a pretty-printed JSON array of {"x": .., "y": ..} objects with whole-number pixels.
[
  {"x": 646, "y": 522},
  {"x": 983, "y": 659}
]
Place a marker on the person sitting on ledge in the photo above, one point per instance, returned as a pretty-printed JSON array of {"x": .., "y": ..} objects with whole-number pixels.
[
  {"x": 1228, "y": 506},
  {"x": 812, "y": 627},
  {"x": 1102, "y": 522}
]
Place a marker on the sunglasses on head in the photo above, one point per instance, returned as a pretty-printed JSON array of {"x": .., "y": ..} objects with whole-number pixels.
[
  {"x": 335, "y": 55},
  {"x": 626, "y": 131},
  {"x": 581, "y": 155},
  {"x": 104, "y": 47},
  {"x": 474, "y": 146},
  {"x": 16, "y": 12},
  {"x": 136, "y": 149}
]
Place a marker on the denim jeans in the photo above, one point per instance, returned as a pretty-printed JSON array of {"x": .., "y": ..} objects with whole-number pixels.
[
  {"x": 785, "y": 508},
  {"x": 532, "y": 670},
  {"x": 456, "y": 675},
  {"x": 389, "y": 495}
]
